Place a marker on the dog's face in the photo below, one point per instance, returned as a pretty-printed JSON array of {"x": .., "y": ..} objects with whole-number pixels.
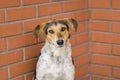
[
  {"x": 57, "y": 31},
  {"x": 57, "y": 34}
]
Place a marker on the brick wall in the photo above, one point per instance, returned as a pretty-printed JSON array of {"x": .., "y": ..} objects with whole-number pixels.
[
  {"x": 95, "y": 45},
  {"x": 104, "y": 47},
  {"x": 18, "y": 48}
]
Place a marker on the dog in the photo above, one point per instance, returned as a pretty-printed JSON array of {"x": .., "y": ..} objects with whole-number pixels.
[{"x": 55, "y": 61}]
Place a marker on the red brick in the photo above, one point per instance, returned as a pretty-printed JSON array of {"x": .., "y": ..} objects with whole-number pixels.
[
  {"x": 106, "y": 60},
  {"x": 20, "y": 13},
  {"x": 87, "y": 26},
  {"x": 9, "y": 3},
  {"x": 99, "y": 26},
  {"x": 2, "y": 45},
  {"x": 29, "y": 76},
  {"x": 10, "y": 29},
  {"x": 81, "y": 28},
  {"x": 100, "y": 78},
  {"x": 18, "y": 78},
  {"x": 100, "y": 70},
  {"x": 116, "y": 27},
  {"x": 81, "y": 71},
  {"x": 100, "y": 48},
  {"x": 20, "y": 41},
  {"x": 116, "y": 72},
  {"x": 2, "y": 16},
  {"x": 21, "y": 68},
  {"x": 105, "y": 15},
  {"x": 99, "y": 3},
  {"x": 75, "y": 5},
  {"x": 82, "y": 60},
  {"x": 73, "y": 40},
  {"x": 81, "y": 38},
  {"x": 30, "y": 25},
  {"x": 82, "y": 16},
  {"x": 116, "y": 4},
  {"x": 105, "y": 37},
  {"x": 116, "y": 50},
  {"x": 10, "y": 57},
  {"x": 85, "y": 78},
  {"x": 48, "y": 9},
  {"x": 33, "y": 51},
  {"x": 25, "y": 2},
  {"x": 62, "y": 16},
  {"x": 78, "y": 50},
  {"x": 3, "y": 74}
]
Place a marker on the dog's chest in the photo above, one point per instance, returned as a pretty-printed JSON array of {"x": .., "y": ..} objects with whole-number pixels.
[
  {"x": 54, "y": 63},
  {"x": 54, "y": 66}
]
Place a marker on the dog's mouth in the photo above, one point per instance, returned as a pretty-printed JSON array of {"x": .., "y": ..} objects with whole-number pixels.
[{"x": 60, "y": 46}]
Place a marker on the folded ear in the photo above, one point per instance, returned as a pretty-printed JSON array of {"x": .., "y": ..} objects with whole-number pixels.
[
  {"x": 72, "y": 23},
  {"x": 39, "y": 30}
]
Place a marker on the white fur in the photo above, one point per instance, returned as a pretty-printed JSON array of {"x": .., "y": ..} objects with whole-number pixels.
[{"x": 55, "y": 63}]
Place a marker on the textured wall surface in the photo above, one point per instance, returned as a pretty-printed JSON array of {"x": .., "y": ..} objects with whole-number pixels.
[
  {"x": 18, "y": 48},
  {"x": 95, "y": 45},
  {"x": 104, "y": 47}
]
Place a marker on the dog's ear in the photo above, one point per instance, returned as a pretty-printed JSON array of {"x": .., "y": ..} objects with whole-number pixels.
[
  {"x": 39, "y": 30},
  {"x": 72, "y": 23}
]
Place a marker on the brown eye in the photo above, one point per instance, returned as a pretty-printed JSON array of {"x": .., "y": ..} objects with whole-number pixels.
[
  {"x": 63, "y": 29},
  {"x": 51, "y": 31}
]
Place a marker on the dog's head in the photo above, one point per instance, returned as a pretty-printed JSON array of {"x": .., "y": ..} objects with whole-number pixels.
[{"x": 57, "y": 31}]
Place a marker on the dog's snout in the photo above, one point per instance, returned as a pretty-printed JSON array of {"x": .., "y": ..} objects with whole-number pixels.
[{"x": 60, "y": 42}]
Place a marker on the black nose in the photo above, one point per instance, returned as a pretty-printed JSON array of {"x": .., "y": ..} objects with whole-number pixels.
[{"x": 60, "y": 42}]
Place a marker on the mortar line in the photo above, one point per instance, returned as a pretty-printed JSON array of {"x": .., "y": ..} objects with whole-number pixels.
[
  {"x": 89, "y": 40},
  {"x": 5, "y": 16},
  {"x": 37, "y": 11},
  {"x": 14, "y": 77},
  {"x": 103, "y": 76},
  {"x": 24, "y": 77},
  {"x": 23, "y": 55},
  {"x": 21, "y": 3},
  {"x": 111, "y": 75},
  {"x": 8, "y": 72},
  {"x": 105, "y": 55},
  {"x": 111, "y": 4}
]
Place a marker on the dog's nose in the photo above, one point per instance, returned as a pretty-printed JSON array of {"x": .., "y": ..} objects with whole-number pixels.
[{"x": 60, "y": 42}]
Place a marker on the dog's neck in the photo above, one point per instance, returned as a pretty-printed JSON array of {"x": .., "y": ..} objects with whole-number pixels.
[{"x": 55, "y": 51}]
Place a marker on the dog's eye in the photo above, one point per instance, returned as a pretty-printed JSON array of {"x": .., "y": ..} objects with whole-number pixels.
[
  {"x": 51, "y": 31},
  {"x": 63, "y": 29}
]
